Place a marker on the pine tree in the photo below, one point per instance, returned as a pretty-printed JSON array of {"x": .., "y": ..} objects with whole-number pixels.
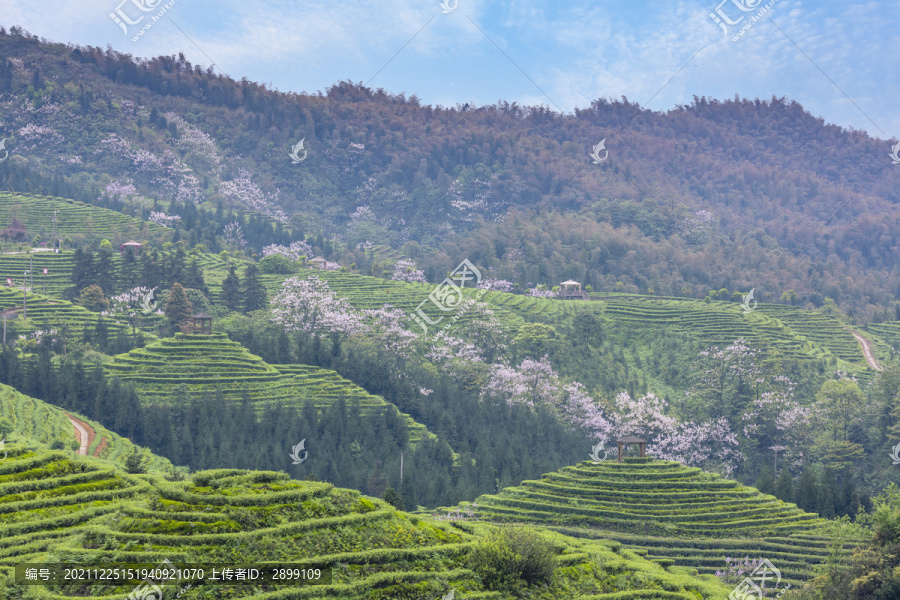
[
  {"x": 105, "y": 272},
  {"x": 784, "y": 487},
  {"x": 765, "y": 483},
  {"x": 135, "y": 462},
  {"x": 83, "y": 273},
  {"x": 826, "y": 495},
  {"x": 231, "y": 290},
  {"x": 393, "y": 497},
  {"x": 193, "y": 277},
  {"x": 805, "y": 495},
  {"x": 178, "y": 308},
  {"x": 254, "y": 292}
]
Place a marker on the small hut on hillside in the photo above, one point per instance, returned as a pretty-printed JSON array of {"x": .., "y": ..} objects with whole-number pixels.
[
  {"x": 572, "y": 290},
  {"x": 202, "y": 323},
  {"x": 135, "y": 248},
  {"x": 631, "y": 439}
]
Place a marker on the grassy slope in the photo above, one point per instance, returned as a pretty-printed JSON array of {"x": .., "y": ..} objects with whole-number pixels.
[
  {"x": 206, "y": 362},
  {"x": 668, "y": 512},
  {"x": 53, "y": 507},
  {"x": 74, "y": 218},
  {"x": 40, "y": 423}
]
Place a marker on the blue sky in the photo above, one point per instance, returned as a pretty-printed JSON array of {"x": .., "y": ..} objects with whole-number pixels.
[{"x": 838, "y": 59}]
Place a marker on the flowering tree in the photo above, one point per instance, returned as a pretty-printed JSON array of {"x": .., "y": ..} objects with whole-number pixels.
[
  {"x": 384, "y": 324},
  {"x": 406, "y": 270},
  {"x": 535, "y": 383},
  {"x": 293, "y": 252},
  {"x": 697, "y": 444},
  {"x": 308, "y": 305},
  {"x": 499, "y": 285},
  {"x": 541, "y": 291},
  {"x": 241, "y": 189},
  {"x": 234, "y": 235},
  {"x": 131, "y": 304},
  {"x": 161, "y": 218},
  {"x": 726, "y": 379}
]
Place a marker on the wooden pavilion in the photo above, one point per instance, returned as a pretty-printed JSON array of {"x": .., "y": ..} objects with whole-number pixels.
[
  {"x": 202, "y": 323},
  {"x": 572, "y": 289},
  {"x": 631, "y": 439}
]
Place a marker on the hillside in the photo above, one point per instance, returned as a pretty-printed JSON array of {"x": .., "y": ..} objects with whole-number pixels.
[
  {"x": 54, "y": 506},
  {"x": 206, "y": 364},
  {"x": 39, "y": 424},
  {"x": 75, "y": 221},
  {"x": 709, "y": 195},
  {"x": 669, "y": 513}
]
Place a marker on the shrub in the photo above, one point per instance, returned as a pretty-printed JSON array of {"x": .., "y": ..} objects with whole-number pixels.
[
  {"x": 92, "y": 298},
  {"x": 514, "y": 554},
  {"x": 135, "y": 463},
  {"x": 6, "y": 427},
  {"x": 276, "y": 264},
  {"x": 393, "y": 497}
]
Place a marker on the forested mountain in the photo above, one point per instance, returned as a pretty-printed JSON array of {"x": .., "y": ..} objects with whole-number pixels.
[{"x": 717, "y": 194}]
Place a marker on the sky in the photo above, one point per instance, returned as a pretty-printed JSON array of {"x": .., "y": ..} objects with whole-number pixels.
[{"x": 838, "y": 59}]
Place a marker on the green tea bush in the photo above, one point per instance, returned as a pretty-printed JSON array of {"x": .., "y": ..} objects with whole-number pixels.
[{"x": 513, "y": 554}]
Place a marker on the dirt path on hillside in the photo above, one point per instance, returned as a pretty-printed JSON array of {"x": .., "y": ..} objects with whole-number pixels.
[
  {"x": 100, "y": 447},
  {"x": 84, "y": 433},
  {"x": 867, "y": 350}
]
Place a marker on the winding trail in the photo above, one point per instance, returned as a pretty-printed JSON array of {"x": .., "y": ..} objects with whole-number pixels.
[
  {"x": 81, "y": 434},
  {"x": 867, "y": 350}
]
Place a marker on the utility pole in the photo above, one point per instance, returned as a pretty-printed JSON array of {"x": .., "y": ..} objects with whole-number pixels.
[
  {"x": 24, "y": 295},
  {"x": 31, "y": 271},
  {"x": 401, "y": 468},
  {"x": 53, "y": 240}
]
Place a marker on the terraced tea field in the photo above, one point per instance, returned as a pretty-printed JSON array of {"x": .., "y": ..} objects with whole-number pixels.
[
  {"x": 83, "y": 510},
  {"x": 205, "y": 363},
  {"x": 714, "y": 324},
  {"x": 37, "y": 422},
  {"x": 51, "y": 312},
  {"x": 674, "y": 514},
  {"x": 825, "y": 331},
  {"x": 74, "y": 218},
  {"x": 59, "y": 267}
]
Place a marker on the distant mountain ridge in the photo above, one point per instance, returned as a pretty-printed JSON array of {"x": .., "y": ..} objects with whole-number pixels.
[{"x": 717, "y": 193}]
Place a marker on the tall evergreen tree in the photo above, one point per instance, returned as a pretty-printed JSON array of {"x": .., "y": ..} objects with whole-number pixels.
[
  {"x": 105, "y": 272},
  {"x": 231, "y": 289},
  {"x": 254, "y": 291},
  {"x": 765, "y": 483},
  {"x": 784, "y": 487},
  {"x": 83, "y": 273},
  {"x": 805, "y": 496},
  {"x": 178, "y": 308},
  {"x": 193, "y": 277}
]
